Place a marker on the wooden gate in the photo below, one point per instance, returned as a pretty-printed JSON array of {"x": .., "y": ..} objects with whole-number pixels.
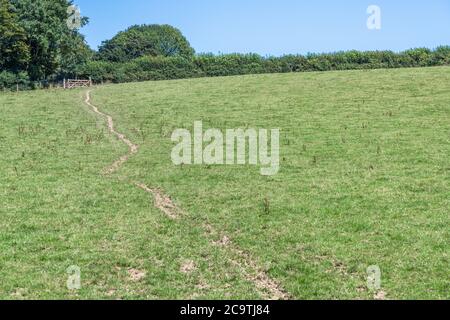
[{"x": 72, "y": 83}]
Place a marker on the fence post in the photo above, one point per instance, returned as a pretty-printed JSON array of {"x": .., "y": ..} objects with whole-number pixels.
[
  {"x": 64, "y": 83},
  {"x": 90, "y": 82},
  {"x": 17, "y": 87}
]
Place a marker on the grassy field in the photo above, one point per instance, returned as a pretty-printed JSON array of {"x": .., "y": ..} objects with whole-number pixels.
[{"x": 364, "y": 180}]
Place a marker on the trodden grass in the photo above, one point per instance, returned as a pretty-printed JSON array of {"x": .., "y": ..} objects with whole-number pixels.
[{"x": 364, "y": 180}]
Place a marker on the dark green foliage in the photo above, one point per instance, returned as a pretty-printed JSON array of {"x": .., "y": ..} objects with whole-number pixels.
[
  {"x": 12, "y": 81},
  {"x": 227, "y": 65},
  {"x": 209, "y": 65},
  {"x": 141, "y": 69},
  {"x": 145, "y": 40},
  {"x": 420, "y": 57},
  {"x": 76, "y": 53},
  {"x": 48, "y": 38},
  {"x": 100, "y": 71},
  {"x": 14, "y": 52},
  {"x": 441, "y": 56},
  {"x": 158, "y": 68}
]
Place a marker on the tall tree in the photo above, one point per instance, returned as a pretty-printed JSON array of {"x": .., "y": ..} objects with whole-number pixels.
[
  {"x": 145, "y": 40},
  {"x": 48, "y": 34},
  {"x": 14, "y": 52},
  {"x": 75, "y": 53}
]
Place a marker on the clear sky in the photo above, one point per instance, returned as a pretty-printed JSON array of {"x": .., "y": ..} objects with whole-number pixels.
[{"x": 276, "y": 27}]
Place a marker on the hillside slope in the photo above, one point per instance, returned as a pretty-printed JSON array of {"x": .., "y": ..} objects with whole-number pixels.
[{"x": 364, "y": 181}]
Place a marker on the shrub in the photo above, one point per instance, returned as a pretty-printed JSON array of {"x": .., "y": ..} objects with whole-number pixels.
[
  {"x": 235, "y": 64},
  {"x": 10, "y": 81},
  {"x": 100, "y": 71},
  {"x": 441, "y": 56},
  {"x": 156, "y": 68}
]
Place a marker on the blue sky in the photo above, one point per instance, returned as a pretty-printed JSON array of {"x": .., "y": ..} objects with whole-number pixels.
[{"x": 270, "y": 27}]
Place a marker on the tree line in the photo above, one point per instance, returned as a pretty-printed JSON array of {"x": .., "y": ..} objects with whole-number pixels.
[
  {"x": 36, "y": 43},
  {"x": 37, "y": 47}
]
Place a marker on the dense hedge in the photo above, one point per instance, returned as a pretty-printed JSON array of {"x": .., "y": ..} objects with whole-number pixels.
[
  {"x": 209, "y": 65},
  {"x": 141, "y": 69}
]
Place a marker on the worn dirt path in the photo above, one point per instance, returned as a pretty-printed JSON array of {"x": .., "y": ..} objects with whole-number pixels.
[{"x": 269, "y": 288}]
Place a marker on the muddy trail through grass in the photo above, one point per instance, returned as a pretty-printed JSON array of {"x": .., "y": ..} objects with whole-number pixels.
[
  {"x": 252, "y": 272},
  {"x": 161, "y": 201}
]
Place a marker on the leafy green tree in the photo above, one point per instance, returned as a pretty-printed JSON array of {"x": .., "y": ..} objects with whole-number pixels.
[
  {"x": 47, "y": 34},
  {"x": 75, "y": 53},
  {"x": 145, "y": 40},
  {"x": 14, "y": 52}
]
